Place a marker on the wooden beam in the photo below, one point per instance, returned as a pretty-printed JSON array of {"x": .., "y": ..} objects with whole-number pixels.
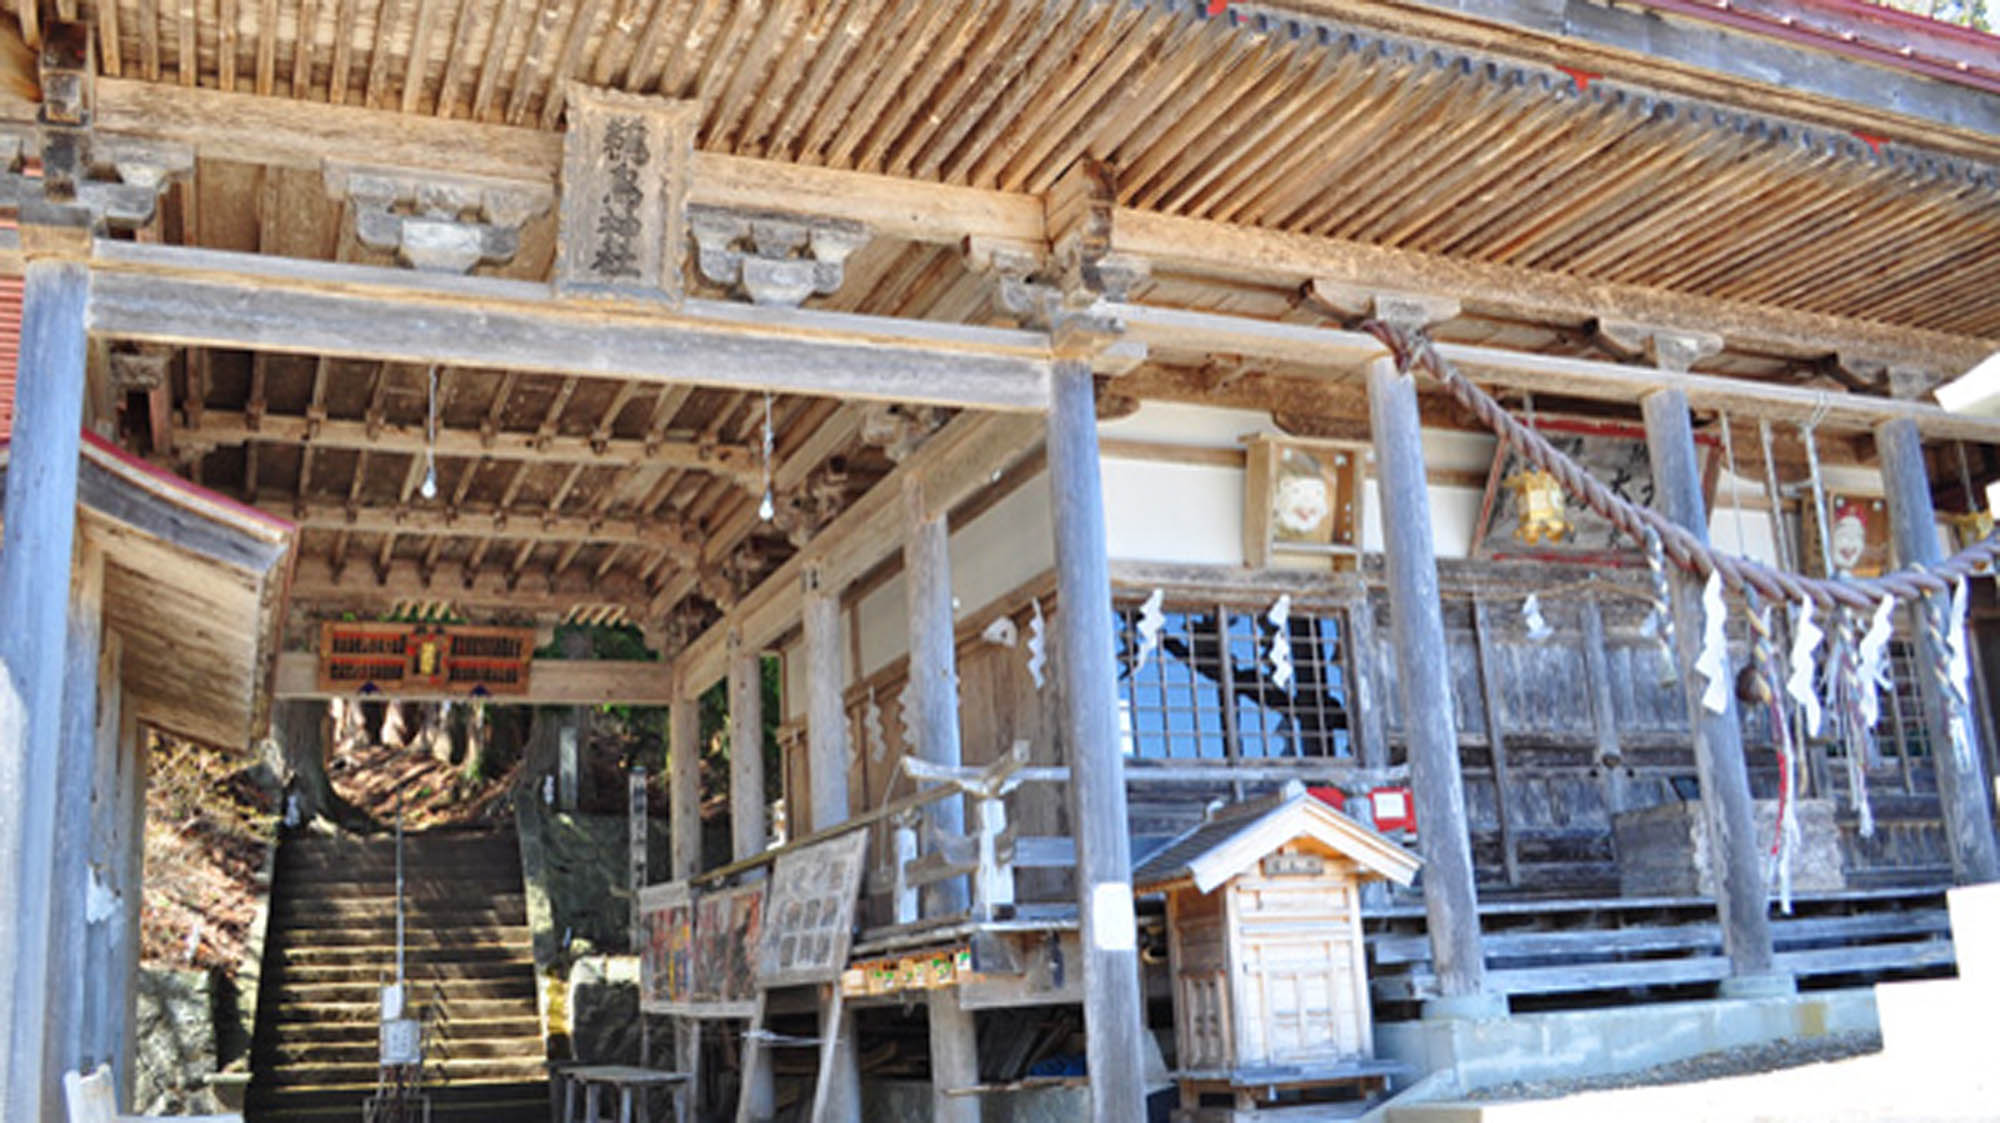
[
  {"x": 956, "y": 461},
  {"x": 551, "y": 682},
  {"x": 306, "y": 134},
  {"x": 315, "y": 582},
  {"x": 211, "y": 298},
  {"x": 1340, "y": 354},
  {"x": 1262, "y": 256},
  {"x": 228, "y": 427},
  {"x": 302, "y": 134},
  {"x": 679, "y": 541}
]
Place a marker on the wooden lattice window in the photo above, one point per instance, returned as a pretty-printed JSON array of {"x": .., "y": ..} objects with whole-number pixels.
[{"x": 1209, "y": 690}]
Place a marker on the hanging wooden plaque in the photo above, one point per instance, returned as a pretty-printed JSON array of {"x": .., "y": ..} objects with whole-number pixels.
[
  {"x": 624, "y": 195},
  {"x": 393, "y": 658}
]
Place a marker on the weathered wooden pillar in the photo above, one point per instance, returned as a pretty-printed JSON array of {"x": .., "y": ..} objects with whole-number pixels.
[
  {"x": 1741, "y": 897},
  {"x": 104, "y": 973},
  {"x": 76, "y": 768},
  {"x": 826, "y": 740},
  {"x": 1416, "y": 630},
  {"x": 1603, "y": 711},
  {"x": 136, "y": 765},
  {"x": 1087, "y": 674},
  {"x": 684, "y": 858},
  {"x": 930, "y": 706},
  {"x": 930, "y": 702},
  {"x": 35, "y": 558},
  {"x": 749, "y": 825},
  {"x": 1961, "y": 776},
  {"x": 684, "y": 784}
]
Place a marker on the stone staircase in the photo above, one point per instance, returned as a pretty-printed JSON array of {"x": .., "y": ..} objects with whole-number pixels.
[{"x": 331, "y": 945}]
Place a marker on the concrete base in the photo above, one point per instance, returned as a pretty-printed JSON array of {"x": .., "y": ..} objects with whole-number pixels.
[
  {"x": 1466, "y": 1007},
  {"x": 1574, "y": 1043},
  {"x": 1774, "y": 985}
]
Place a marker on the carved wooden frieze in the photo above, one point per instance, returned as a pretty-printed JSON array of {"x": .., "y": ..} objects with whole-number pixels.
[{"x": 624, "y": 195}]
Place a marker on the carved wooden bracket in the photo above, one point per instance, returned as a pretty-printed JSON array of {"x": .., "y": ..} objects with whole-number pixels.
[
  {"x": 88, "y": 182},
  {"x": 899, "y": 429},
  {"x": 143, "y": 369},
  {"x": 1669, "y": 349},
  {"x": 773, "y": 258},
  {"x": 440, "y": 224},
  {"x": 1404, "y": 311}
]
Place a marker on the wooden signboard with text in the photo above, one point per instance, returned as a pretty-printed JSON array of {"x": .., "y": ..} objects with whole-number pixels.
[{"x": 624, "y": 196}]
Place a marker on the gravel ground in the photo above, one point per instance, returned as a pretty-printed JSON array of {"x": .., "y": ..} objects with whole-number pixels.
[{"x": 1768, "y": 1057}]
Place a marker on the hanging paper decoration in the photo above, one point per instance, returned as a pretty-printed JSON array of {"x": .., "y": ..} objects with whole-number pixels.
[
  {"x": 871, "y": 729},
  {"x": 1872, "y": 667},
  {"x": 1038, "y": 657},
  {"x": 1713, "y": 662},
  {"x": 1151, "y": 620},
  {"x": 1531, "y": 615},
  {"x": 905, "y": 721},
  {"x": 1281, "y": 642},
  {"x": 1659, "y": 622},
  {"x": 1957, "y": 671},
  {"x": 1806, "y": 636},
  {"x": 767, "y": 508}
]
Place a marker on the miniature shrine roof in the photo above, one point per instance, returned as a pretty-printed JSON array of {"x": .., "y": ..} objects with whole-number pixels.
[{"x": 1238, "y": 836}]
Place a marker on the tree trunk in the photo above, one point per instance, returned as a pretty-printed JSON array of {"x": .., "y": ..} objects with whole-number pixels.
[{"x": 299, "y": 729}]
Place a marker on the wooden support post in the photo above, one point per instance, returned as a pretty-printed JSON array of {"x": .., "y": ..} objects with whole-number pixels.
[
  {"x": 930, "y": 705},
  {"x": 748, "y": 826},
  {"x": 684, "y": 853},
  {"x": 1741, "y": 898},
  {"x": 1603, "y": 714},
  {"x": 104, "y": 1036},
  {"x": 135, "y": 773},
  {"x": 1113, "y": 1011},
  {"x": 1365, "y": 702},
  {"x": 1961, "y": 777},
  {"x": 1496, "y": 741},
  {"x": 34, "y": 593},
  {"x": 837, "y": 1092},
  {"x": 684, "y": 786},
  {"x": 749, "y": 830},
  {"x": 1416, "y": 626},
  {"x": 76, "y": 768}
]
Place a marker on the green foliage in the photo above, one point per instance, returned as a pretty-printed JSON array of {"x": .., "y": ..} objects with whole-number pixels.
[{"x": 1976, "y": 14}]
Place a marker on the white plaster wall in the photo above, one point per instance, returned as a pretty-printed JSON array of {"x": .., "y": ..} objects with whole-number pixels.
[{"x": 1009, "y": 544}]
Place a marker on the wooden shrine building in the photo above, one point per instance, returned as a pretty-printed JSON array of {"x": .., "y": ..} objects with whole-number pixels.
[{"x": 1121, "y": 377}]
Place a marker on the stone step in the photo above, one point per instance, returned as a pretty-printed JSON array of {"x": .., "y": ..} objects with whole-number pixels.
[
  {"x": 513, "y": 985},
  {"x": 503, "y": 908},
  {"x": 466, "y": 1027},
  {"x": 431, "y": 884},
  {"x": 362, "y": 1077},
  {"x": 419, "y": 974},
  {"x": 494, "y": 949},
  {"x": 413, "y": 937},
  {"x": 364, "y": 1012},
  {"x": 363, "y": 1054}
]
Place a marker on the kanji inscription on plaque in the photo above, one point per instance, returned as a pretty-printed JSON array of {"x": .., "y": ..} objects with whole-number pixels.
[{"x": 624, "y": 195}]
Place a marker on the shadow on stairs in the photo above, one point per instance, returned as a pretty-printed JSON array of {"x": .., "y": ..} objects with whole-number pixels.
[{"x": 331, "y": 946}]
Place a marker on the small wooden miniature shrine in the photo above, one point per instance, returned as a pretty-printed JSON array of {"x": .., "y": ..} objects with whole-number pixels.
[{"x": 1269, "y": 967}]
